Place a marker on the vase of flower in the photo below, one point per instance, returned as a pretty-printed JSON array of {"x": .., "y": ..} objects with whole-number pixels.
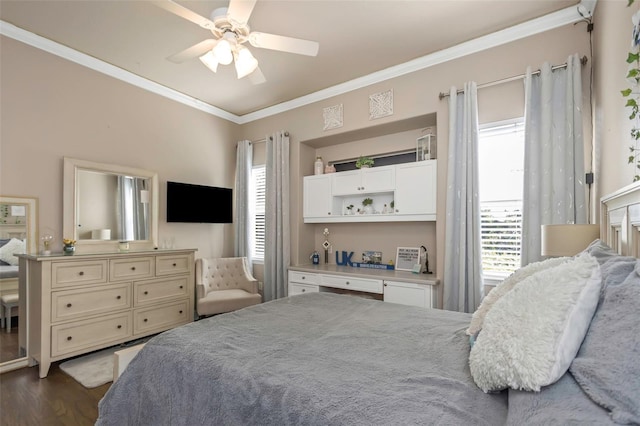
[
  {"x": 367, "y": 206},
  {"x": 68, "y": 246}
]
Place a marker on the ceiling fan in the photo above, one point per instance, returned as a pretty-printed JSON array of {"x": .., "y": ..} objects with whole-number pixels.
[{"x": 230, "y": 32}]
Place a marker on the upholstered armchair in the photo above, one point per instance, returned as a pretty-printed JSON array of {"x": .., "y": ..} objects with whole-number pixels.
[{"x": 224, "y": 285}]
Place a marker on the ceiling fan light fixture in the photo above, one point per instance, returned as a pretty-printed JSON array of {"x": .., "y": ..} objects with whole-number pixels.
[
  {"x": 210, "y": 60},
  {"x": 223, "y": 53},
  {"x": 245, "y": 62}
]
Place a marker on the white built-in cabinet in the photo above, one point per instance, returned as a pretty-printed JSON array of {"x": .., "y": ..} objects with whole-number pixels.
[{"x": 411, "y": 187}]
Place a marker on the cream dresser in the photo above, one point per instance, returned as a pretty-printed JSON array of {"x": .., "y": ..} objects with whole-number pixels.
[{"x": 81, "y": 303}]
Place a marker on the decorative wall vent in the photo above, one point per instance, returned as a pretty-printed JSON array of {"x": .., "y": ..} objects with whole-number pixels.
[
  {"x": 381, "y": 104},
  {"x": 332, "y": 117}
]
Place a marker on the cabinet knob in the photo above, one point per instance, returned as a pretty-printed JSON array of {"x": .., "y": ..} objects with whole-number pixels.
[
  {"x": 119, "y": 326},
  {"x": 180, "y": 312},
  {"x": 81, "y": 273},
  {"x": 133, "y": 268},
  {"x": 118, "y": 297},
  {"x": 347, "y": 282},
  {"x": 146, "y": 292},
  {"x": 68, "y": 305},
  {"x": 181, "y": 287},
  {"x": 174, "y": 265},
  {"x": 145, "y": 320},
  {"x": 69, "y": 338},
  {"x": 304, "y": 289}
]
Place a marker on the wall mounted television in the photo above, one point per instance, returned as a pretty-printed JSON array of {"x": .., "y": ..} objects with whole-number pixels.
[{"x": 198, "y": 203}]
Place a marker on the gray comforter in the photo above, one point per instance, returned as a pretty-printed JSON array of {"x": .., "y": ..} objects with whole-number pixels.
[{"x": 317, "y": 359}]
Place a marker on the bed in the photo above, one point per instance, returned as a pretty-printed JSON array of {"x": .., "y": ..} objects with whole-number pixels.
[{"x": 331, "y": 359}]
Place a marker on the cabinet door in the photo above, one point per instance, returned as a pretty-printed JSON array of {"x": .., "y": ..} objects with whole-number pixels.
[
  {"x": 416, "y": 188},
  {"x": 378, "y": 179},
  {"x": 317, "y": 196},
  {"x": 346, "y": 183},
  {"x": 408, "y": 294}
]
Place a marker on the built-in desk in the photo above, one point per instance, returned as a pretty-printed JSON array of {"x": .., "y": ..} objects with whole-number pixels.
[{"x": 393, "y": 286}]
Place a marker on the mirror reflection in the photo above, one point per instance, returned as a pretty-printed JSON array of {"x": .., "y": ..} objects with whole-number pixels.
[
  {"x": 112, "y": 206},
  {"x": 17, "y": 236}
]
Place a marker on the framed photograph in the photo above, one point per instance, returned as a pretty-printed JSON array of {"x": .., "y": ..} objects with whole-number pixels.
[{"x": 407, "y": 257}]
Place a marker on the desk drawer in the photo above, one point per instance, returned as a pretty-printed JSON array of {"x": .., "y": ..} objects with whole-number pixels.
[
  {"x": 131, "y": 268},
  {"x": 349, "y": 283},
  {"x": 83, "y": 335},
  {"x": 77, "y": 303},
  {"x": 296, "y": 288},
  {"x": 153, "y": 291},
  {"x": 160, "y": 318},
  {"x": 304, "y": 277},
  {"x": 68, "y": 274},
  {"x": 170, "y": 265}
]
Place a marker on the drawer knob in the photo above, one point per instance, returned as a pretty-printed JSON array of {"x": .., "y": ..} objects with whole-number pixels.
[
  {"x": 145, "y": 320},
  {"x": 146, "y": 292},
  {"x": 119, "y": 326},
  {"x": 174, "y": 265},
  {"x": 347, "y": 282},
  {"x": 118, "y": 297},
  {"x": 68, "y": 305},
  {"x": 81, "y": 273},
  {"x": 133, "y": 268},
  {"x": 304, "y": 278},
  {"x": 304, "y": 289},
  {"x": 180, "y": 286},
  {"x": 69, "y": 338},
  {"x": 180, "y": 312}
]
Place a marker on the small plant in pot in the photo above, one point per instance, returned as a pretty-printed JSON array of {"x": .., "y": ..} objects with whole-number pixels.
[
  {"x": 367, "y": 203},
  {"x": 364, "y": 162},
  {"x": 350, "y": 209}
]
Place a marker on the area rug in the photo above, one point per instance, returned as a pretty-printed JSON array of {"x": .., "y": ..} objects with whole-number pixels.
[{"x": 92, "y": 370}]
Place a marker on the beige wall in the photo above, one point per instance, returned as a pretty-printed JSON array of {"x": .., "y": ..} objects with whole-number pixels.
[
  {"x": 611, "y": 40},
  {"x": 415, "y": 95},
  {"x": 53, "y": 108}
]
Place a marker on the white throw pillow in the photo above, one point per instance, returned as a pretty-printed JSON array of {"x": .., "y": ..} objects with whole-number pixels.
[
  {"x": 505, "y": 286},
  {"x": 532, "y": 334},
  {"x": 7, "y": 251}
]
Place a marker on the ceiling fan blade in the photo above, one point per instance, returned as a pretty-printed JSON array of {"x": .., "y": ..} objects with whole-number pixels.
[
  {"x": 183, "y": 12},
  {"x": 193, "y": 51},
  {"x": 240, "y": 10},
  {"x": 285, "y": 44},
  {"x": 256, "y": 77}
]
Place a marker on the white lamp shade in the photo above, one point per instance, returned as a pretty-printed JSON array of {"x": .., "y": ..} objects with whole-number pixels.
[
  {"x": 223, "y": 53},
  {"x": 245, "y": 62},
  {"x": 210, "y": 60},
  {"x": 567, "y": 240}
]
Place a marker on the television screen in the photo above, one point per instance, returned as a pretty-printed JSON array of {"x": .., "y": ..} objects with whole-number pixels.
[{"x": 198, "y": 203}]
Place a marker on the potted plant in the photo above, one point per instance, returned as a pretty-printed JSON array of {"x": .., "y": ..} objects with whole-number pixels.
[
  {"x": 364, "y": 162},
  {"x": 367, "y": 203},
  {"x": 633, "y": 94},
  {"x": 350, "y": 209}
]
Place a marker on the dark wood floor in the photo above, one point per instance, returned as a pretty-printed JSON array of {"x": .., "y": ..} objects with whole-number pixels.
[
  {"x": 9, "y": 347},
  {"x": 25, "y": 399}
]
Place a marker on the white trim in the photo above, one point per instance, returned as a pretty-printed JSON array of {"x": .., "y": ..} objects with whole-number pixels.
[{"x": 548, "y": 22}]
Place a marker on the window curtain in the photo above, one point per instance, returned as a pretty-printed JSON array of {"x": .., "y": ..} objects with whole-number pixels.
[
  {"x": 554, "y": 191},
  {"x": 242, "y": 219},
  {"x": 132, "y": 211},
  {"x": 277, "y": 240},
  {"x": 463, "y": 258}
]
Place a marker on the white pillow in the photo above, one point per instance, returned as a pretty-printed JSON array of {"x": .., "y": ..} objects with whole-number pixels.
[
  {"x": 505, "y": 286},
  {"x": 7, "y": 251},
  {"x": 532, "y": 334}
]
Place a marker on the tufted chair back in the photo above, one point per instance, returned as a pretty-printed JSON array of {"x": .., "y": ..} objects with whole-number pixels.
[{"x": 225, "y": 273}]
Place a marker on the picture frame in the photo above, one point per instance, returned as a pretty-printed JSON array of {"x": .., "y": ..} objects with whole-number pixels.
[{"x": 407, "y": 258}]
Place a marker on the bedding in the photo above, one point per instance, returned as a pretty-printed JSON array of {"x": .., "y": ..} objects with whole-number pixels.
[
  {"x": 8, "y": 271},
  {"x": 313, "y": 359}
]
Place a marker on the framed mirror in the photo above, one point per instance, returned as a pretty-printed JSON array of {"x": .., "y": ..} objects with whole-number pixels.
[
  {"x": 18, "y": 234},
  {"x": 105, "y": 204}
]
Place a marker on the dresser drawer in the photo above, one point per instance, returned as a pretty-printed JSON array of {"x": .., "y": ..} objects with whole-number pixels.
[
  {"x": 83, "y": 335},
  {"x": 171, "y": 265},
  {"x": 160, "y": 317},
  {"x": 131, "y": 268},
  {"x": 67, "y": 274},
  {"x": 348, "y": 283},
  {"x": 304, "y": 277},
  {"x": 167, "y": 289},
  {"x": 296, "y": 288},
  {"x": 77, "y": 303}
]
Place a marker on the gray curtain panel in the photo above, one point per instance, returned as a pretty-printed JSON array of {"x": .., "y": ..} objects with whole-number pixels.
[{"x": 244, "y": 161}]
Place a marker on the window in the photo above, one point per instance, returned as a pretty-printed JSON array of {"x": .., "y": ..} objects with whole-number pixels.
[
  {"x": 257, "y": 191},
  {"x": 501, "y": 168}
]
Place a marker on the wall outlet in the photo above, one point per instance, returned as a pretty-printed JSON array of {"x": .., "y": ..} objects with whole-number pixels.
[{"x": 260, "y": 285}]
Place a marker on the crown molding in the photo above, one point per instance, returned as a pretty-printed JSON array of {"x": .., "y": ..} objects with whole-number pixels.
[{"x": 548, "y": 22}]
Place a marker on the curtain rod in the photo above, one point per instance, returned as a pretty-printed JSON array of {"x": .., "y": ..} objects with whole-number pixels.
[
  {"x": 583, "y": 61},
  {"x": 263, "y": 140}
]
